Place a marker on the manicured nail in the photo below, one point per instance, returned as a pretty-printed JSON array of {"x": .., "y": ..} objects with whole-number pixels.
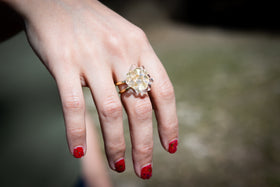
[
  {"x": 173, "y": 146},
  {"x": 120, "y": 165},
  {"x": 78, "y": 152},
  {"x": 146, "y": 172}
]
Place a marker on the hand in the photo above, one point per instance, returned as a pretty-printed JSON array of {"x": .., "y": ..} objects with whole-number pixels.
[{"x": 83, "y": 43}]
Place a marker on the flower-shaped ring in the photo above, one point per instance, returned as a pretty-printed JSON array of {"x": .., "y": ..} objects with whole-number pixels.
[{"x": 138, "y": 80}]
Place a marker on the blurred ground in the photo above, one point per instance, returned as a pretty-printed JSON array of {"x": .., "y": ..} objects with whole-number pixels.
[{"x": 227, "y": 85}]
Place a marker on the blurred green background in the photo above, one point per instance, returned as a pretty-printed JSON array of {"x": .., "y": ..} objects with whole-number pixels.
[{"x": 227, "y": 85}]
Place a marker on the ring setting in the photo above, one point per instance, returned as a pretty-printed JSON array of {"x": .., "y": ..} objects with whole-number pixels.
[{"x": 138, "y": 80}]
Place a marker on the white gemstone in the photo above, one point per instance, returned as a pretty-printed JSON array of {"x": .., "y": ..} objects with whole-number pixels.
[{"x": 138, "y": 80}]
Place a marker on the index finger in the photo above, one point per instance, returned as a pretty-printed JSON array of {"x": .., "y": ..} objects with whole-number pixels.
[{"x": 73, "y": 105}]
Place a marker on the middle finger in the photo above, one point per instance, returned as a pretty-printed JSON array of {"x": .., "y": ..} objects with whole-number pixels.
[{"x": 110, "y": 114}]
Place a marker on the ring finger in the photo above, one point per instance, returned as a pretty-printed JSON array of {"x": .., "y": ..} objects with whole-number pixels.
[{"x": 139, "y": 111}]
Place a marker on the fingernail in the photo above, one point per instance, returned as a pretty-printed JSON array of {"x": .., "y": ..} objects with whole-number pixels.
[
  {"x": 173, "y": 146},
  {"x": 78, "y": 152},
  {"x": 146, "y": 172},
  {"x": 120, "y": 165}
]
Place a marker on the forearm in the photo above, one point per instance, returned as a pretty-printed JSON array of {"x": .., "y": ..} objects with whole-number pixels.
[{"x": 25, "y": 6}]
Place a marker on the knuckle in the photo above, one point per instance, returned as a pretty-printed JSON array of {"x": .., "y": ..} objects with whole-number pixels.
[
  {"x": 142, "y": 109},
  {"x": 167, "y": 128},
  {"x": 73, "y": 103},
  {"x": 170, "y": 128},
  {"x": 166, "y": 91},
  {"x": 114, "y": 40},
  {"x": 143, "y": 150},
  {"x": 115, "y": 148},
  {"x": 111, "y": 109},
  {"x": 76, "y": 133},
  {"x": 138, "y": 34},
  {"x": 66, "y": 54}
]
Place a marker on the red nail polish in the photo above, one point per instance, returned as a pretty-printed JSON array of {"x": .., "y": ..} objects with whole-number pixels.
[
  {"x": 173, "y": 146},
  {"x": 146, "y": 172},
  {"x": 78, "y": 152},
  {"x": 120, "y": 165}
]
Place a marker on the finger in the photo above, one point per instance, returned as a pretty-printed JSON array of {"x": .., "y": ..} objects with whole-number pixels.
[
  {"x": 109, "y": 109},
  {"x": 73, "y": 105},
  {"x": 163, "y": 99},
  {"x": 139, "y": 110},
  {"x": 93, "y": 168}
]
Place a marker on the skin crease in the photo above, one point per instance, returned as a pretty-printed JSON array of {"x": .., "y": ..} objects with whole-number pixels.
[{"x": 84, "y": 43}]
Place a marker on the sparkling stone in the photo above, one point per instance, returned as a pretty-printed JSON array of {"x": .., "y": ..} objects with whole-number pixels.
[{"x": 139, "y": 80}]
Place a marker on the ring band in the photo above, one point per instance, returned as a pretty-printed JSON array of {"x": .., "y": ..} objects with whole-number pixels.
[
  {"x": 138, "y": 80},
  {"x": 120, "y": 83},
  {"x": 124, "y": 90}
]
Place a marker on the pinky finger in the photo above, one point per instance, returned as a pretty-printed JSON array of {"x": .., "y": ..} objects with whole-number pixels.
[{"x": 163, "y": 99}]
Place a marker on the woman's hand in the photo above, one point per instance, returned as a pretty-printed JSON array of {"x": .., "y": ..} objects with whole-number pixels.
[{"x": 83, "y": 43}]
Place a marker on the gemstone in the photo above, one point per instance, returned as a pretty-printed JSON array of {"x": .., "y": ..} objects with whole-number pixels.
[{"x": 139, "y": 80}]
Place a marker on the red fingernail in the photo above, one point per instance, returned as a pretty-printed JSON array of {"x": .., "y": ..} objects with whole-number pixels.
[
  {"x": 120, "y": 165},
  {"x": 146, "y": 172},
  {"x": 173, "y": 146},
  {"x": 78, "y": 152}
]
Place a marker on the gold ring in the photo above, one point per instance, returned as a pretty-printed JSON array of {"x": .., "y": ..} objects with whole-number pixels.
[{"x": 138, "y": 80}]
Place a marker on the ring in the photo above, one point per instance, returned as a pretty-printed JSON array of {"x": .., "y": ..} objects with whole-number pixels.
[{"x": 138, "y": 80}]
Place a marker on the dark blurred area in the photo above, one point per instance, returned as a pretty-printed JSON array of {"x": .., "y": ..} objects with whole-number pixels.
[
  {"x": 233, "y": 14},
  {"x": 229, "y": 14},
  {"x": 11, "y": 22}
]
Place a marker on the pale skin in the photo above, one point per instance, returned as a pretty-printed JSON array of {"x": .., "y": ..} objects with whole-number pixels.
[
  {"x": 84, "y": 43},
  {"x": 94, "y": 171}
]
